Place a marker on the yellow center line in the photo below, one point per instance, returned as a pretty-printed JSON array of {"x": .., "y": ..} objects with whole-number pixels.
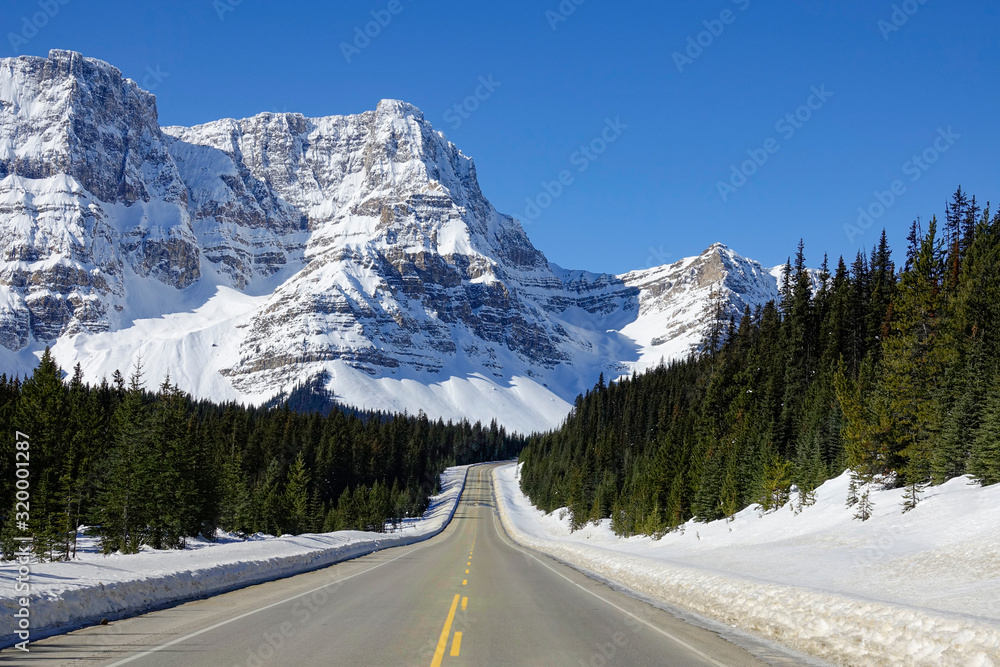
[
  {"x": 445, "y": 632},
  {"x": 466, "y": 571},
  {"x": 456, "y": 645},
  {"x": 465, "y": 602},
  {"x": 465, "y": 581}
]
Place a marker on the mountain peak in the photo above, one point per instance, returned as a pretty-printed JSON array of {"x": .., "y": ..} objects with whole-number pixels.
[
  {"x": 74, "y": 63},
  {"x": 40, "y": 72},
  {"x": 358, "y": 248},
  {"x": 67, "y": 114},
  {"x": 398, "y": 108},
  {"x": 64, "y": 54}
]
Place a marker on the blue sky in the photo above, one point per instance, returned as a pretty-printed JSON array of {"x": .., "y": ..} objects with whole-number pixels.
[{"x": 886, "y": 82}]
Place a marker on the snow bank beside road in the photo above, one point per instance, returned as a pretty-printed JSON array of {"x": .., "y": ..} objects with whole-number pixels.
[
  {"x": 913, "y": 589},
  {"x": 81, "y": 592}
]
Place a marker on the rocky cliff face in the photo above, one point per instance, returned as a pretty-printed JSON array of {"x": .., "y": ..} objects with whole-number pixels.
[
  {"x": 88, "y": 193},
  {"x": 679, "y": 301},
  {"x": 398, "y": 255},
  {"x": 243, "y": 256}
]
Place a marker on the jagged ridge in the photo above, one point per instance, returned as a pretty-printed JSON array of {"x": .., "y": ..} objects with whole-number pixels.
[{"x": 245, "y": 255}]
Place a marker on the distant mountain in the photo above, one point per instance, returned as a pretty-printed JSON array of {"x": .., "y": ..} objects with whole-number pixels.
[{"x": 246, "y": 257}]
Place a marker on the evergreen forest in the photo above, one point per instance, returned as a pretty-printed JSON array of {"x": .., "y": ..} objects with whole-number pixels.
[
  {"x": 155, "y": 468},
  {"x": 887, "y": 367}
]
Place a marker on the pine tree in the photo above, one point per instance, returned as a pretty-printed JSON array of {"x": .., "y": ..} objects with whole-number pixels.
[
  {"x": 985, "y": 464},
  {"x": 272, "y": 511},
  {"x": 860, "y": 306},
  {"x": 172, "y": 493},
  {"x": 912, "y": 497},
  {"x": 852, "y": 491},
  {"x": 9, "y": 396},
  {"x": 810, "y": 471},
  {"x": 297, "y": 497},
  {"x": 235, "y": 508},
  {"x": 84, "y": 448},
  {"x": 345, "y": 516},
  {"x": 914, "y": 360},
  {"x": 43, "y": 415},
  {"x": 882, "y": 290},
  {"x": 859, "y": 496},
  {"x": 951, "y": 455},
  {"x": 777, "y": 485},
  {"x": 123, "y": 509},
  {"x": 800, "y": 338},
  {"x": 955, "y": 217},
  {"x": 868, "y": 423},
  {"x": 864, "y": 506}
]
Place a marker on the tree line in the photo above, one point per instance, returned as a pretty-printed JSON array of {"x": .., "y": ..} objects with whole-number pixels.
[
  {"x": 157, "y": 467},
  {"x": 888, "y": 371}
]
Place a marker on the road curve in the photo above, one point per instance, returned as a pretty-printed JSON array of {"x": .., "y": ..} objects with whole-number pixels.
[{"x": 465, "y": 597}]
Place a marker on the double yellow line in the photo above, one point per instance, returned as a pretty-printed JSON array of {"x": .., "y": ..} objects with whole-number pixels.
[
  {"x": 456, "y": 644},
  {"x": 445, "y": 632}
]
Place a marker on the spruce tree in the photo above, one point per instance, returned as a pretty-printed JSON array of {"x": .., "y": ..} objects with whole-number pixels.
[
  {"x": 86, "y": 449},
  {"x": 777, "y": 485},
  {"x": 951, "y": 455},
  {"x": 123, "y": 510},
  {"x": 172, "y": 491},
  {"x": 272, "y": 511},
  {"x": 235, "y": 510},
  {"x": 297, "y": 497},
  {"x": 43, "y": 415},
  {"x": 882, "y": 290},
  {"x": 810, "y": 471},
  {"x": 915, "y": 359},
  {"x": 864, "y": 506},
  {"x": 985, "y": 463}
]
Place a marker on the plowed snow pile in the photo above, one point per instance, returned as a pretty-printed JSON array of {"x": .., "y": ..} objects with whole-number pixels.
[
  {"x": 920, "y": 588},
  {"x": 83, "y": 591}
]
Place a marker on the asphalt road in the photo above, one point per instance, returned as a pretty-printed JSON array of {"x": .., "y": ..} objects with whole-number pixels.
[{"x": 466, "y": 597}]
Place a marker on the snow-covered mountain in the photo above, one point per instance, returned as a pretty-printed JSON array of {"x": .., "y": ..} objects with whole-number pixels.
[{"x": 245, "y": 256}]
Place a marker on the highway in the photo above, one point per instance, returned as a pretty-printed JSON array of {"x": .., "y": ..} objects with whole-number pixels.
[{"x": 468, "y": 596}]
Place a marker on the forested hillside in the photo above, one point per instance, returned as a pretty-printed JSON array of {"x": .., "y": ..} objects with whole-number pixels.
[
  {"x": 148, "y": 468},
  {"x": 889, "y": 370}
]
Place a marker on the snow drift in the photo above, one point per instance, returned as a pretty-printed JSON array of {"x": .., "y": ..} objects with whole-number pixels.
[
  {"x": 68, "y": 595},
  {"x": 920, "y": 588}
]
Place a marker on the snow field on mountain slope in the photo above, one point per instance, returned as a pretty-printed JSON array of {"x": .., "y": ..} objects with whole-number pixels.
[
  {"x": 193, "y": 345},
  {"x": 81, "y": 592},
  {"x": 190, "y": 345},
  {"x": 520, "y": 405},
  {"x": 921, "y": 588}
]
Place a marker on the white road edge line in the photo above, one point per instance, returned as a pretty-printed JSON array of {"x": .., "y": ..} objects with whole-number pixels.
[
  {"x": 663, "y": 632},
  {"x": 274, "y": 604}
]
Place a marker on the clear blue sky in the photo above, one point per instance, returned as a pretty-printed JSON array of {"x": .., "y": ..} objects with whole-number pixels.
[{"x": 652, "y": 196}]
